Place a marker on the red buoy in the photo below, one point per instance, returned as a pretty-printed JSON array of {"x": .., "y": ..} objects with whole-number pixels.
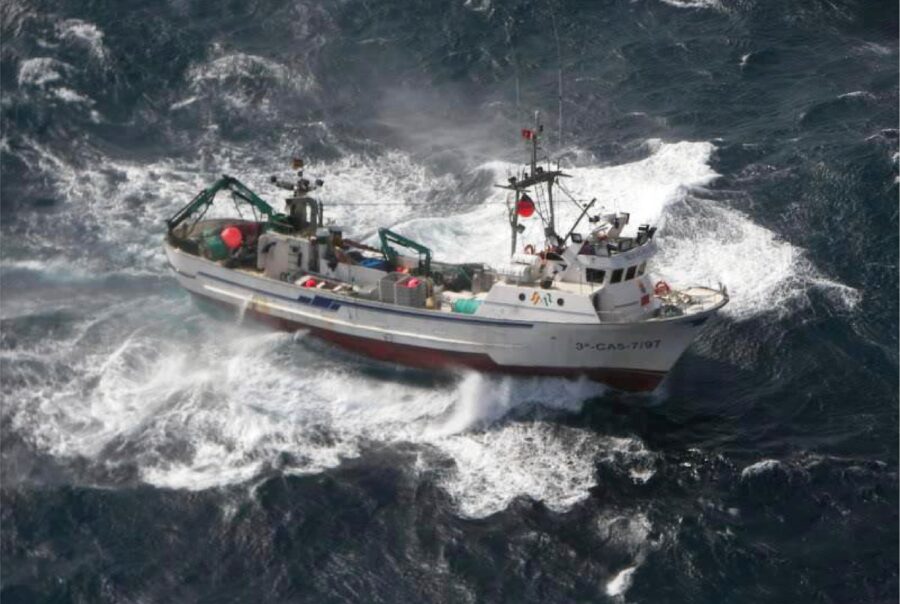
[
  {"x": 309, "y": 282},
  {"x": 232, "y": 237},
  {"x": 525, "y": 207},
  {"x": 413, "y": 283}
]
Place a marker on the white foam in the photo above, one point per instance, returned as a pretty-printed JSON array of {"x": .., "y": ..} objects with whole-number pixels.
[
  {"x": 857, "y": 94},
  {"x": 478, "y": 6},
  {"x": 537, "y": 459},
  {"x": 619, "y": 584},
  {"x": 364, "y": 193},
  {"x": 183, "y": 103},
  {"x": 708, "y": 244},
  {"x": 40, "y": 71},
  {"x": 643, "y": 188},
  {"x": 236, "y": 77},
  {"x": 238, "y": 64},
  {"x": 86, "y": 33},
  {"x": 878, "y": 49},
  {"x": 70, "y": 96},
  {"x": 224, "y": 405},
  {"x": 711, "y": 4},
  {"x": 760, "y": 467},
  {"x": 628, "y": 534}
]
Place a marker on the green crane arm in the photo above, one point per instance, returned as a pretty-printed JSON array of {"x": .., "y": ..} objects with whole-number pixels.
[
  {"x": 387, "y": 237},
  {"x": 205, "y": 197}
]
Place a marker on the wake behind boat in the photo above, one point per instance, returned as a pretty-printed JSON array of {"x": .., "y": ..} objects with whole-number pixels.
[{"x": 582, "y": 304}]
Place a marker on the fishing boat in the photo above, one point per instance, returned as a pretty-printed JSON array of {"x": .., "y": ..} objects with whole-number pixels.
[{"x": 582, "y": 304}]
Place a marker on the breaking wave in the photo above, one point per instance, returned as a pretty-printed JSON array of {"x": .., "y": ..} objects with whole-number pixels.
[{"x": 230, "y": 403}]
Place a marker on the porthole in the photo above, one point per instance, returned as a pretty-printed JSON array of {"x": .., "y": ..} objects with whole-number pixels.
[
  {"x": 521, "y": 297},
  {"x": 560, "y": 301}
]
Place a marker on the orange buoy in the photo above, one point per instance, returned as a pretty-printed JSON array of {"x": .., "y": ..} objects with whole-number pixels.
[{"x": 232, "y": 237}]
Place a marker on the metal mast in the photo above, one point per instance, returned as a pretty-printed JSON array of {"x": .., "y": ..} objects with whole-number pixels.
[{"x": 535, "y": 176}]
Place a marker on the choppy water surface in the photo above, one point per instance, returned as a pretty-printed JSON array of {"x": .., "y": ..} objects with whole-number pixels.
[{"x": 154, "y": 449}]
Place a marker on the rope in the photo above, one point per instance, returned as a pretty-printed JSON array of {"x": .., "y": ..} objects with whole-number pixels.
[{"x": 236, "y": 207}]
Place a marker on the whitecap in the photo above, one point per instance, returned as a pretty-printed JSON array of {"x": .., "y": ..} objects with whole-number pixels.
[
  {"x": 86, "y": 33},
  {"x": 710, "y": 4},
  {"x": 857, "y": 94},
  {"x": 619, "y": 584},
  {"x": 40, "y": 71},
  {"x": 760, "y": 467},
  {"x": 70, "y": 96}
]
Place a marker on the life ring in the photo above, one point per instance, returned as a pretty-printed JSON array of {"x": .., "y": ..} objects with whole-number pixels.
[
  {"x": 529, "y": 249},
  {"x": 661, "y": 288}
]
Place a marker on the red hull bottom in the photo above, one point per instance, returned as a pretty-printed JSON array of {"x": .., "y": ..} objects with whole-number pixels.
[{"x": 631, "y": 380}]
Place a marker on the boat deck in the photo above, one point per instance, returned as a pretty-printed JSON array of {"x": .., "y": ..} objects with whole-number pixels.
[{"x": 677, "y": 303}]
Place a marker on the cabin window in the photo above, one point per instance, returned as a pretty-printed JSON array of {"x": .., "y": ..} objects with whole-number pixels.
[
  {"x": 595, "y": 275},
  {"x": 642, "y": 268},
  {"x": 629, "y": 275},
  {"x": 617, "y": 275}
]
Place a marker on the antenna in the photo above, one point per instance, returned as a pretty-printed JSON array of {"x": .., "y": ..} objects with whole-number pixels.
[
  {"x": 515, "y": 59},
  {"x": 559, "y": 74}
]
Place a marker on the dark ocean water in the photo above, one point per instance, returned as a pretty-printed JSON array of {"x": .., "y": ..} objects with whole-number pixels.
[{"x": 154, "y": 450}]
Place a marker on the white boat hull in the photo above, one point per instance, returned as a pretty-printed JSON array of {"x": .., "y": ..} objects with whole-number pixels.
[{"x": 633, "y": 356}]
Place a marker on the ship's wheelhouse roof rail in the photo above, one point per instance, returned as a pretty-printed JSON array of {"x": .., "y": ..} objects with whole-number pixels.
[
  {"x": 611, "y": 247},
  {"x": 602, "y": 243}
]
